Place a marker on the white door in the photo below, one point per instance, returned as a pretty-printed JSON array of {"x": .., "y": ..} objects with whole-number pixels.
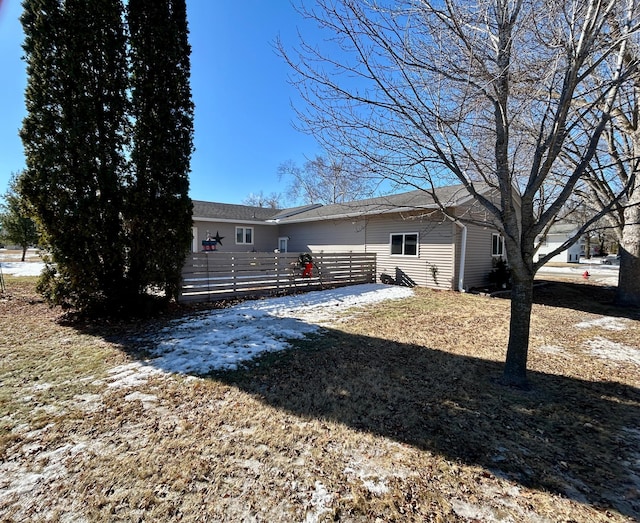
[{"x": 283, "y": 244}]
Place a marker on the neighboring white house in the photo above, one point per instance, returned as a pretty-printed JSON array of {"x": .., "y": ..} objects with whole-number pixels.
[{"x": 557, "y": 235}]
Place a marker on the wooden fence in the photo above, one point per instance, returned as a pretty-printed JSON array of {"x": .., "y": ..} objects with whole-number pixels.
[{"x": 216, "y": 275}]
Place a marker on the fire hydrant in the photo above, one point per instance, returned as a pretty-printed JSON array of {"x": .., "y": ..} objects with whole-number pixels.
[{"x": 585, "y": 275}]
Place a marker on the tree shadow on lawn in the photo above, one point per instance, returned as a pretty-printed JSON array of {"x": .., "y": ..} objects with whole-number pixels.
[
  {"x": 575, "y": 438},
  {"x": 586, "y": 297}
]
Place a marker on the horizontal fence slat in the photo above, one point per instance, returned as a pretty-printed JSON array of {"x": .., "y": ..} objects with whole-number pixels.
[{"x": 217, "y": 275}]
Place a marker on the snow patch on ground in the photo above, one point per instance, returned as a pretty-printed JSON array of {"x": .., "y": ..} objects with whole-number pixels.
[
  {"x": 148, "y": 400},
  {"x": 41, "y": 387},
  {"x": 552, "y": 349},
  {"x": 606, "y": 322},
  {"x": 22, "y": 268},
  {"x": 319, "y": 504},
  {"x": 18, "y": 483},
  {"x": 504, "y": 502},
  {"x": 224, "y": 339},
  {"x": 130, "y": 375},
  {"x": 370, "y": 480},
  {"x": 88, "y": 402},
  {"x": 607, "y": 349}
]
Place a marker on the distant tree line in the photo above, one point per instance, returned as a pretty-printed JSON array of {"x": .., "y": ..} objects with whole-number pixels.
[{"x": 108, "y": 139}]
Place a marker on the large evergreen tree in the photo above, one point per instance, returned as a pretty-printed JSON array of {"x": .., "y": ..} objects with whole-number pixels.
[
  {"x": 73, "y": 138},
  {"x": 160, "y": 210},
  {"x": 113, "y": 205}
]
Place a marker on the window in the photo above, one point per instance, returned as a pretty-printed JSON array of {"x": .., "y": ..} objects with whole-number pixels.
[
  {"x": 497, "y": 245},
  {"x": 244, "y": 235},
  {"x": 404, "y": 244}
]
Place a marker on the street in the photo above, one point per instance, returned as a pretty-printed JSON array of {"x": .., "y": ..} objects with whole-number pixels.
[{"x": 598, "y": 273}]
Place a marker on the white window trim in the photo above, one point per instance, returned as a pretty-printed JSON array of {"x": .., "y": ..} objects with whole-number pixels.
[
  {"x": 501, "y": 255},
  {"x": 404, "y": 235},
  {"x": 244, "y": 236},
  {"x": 194, "y": 239}
]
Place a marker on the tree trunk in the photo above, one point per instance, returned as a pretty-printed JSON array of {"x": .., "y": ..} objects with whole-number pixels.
[
  {"x": 628, "y": 293},
  {"x": 24, "y": 252},
  {"x": 515, "y": 369}
]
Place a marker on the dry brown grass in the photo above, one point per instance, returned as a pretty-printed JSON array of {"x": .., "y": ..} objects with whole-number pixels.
[{"x": 394, "y": 415}]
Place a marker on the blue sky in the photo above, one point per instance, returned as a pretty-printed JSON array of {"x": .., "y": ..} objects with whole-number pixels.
[{"x": 243, "y": 115}]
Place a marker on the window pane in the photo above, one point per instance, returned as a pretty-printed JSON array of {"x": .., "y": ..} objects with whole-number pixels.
[
  {"x": 248, "y": 235},
  {"x": 496, "y": 245},
  {"x": 411, "y": 244},
  {"x": 239, "y": 235},
  {"x": 396, "y": 244}
]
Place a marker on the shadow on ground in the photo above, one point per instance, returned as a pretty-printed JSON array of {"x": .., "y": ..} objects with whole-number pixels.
[
  {"x": 579, "y": 296},
  {"x": 576, "y": 438}
]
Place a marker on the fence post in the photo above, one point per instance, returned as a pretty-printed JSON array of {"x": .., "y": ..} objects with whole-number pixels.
[
  {"x": 209, "y": 293},
  {"x": 234, "y": 275},
  {"x": 319, "y": 261}
]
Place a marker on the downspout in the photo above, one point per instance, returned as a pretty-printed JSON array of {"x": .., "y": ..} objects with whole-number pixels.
[{"x": 463, "y": 255}]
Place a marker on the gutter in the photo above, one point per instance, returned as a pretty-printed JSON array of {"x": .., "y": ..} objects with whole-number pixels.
[
  {"x": 229, "y": 220},
  {"x": 463, "y": 255}
]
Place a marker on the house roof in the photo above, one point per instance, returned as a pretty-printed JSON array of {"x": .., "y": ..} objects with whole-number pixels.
[
  {"x": 449, "y": 196},
  {"x": 220, "y": 212},
  {"x": 286, "y": 213},
  {"x": 563, "y": 228}
]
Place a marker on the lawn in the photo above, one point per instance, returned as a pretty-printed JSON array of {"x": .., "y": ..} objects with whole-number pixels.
[{"x": 389, "y": 412}]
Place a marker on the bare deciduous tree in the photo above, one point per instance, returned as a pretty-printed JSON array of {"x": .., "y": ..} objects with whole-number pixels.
[
  {"x": 615, "y": 169},
  {"x": 427, "y": 92},
  {"x": 260, "y": 199},
  {"x": 325, "y": 180},
  {"x": 16, "y": 227}
]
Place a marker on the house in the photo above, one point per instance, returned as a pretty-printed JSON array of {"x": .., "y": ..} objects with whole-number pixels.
[
  {"x": 555, "y": 237},
  {"x": 414, "y": 241}
]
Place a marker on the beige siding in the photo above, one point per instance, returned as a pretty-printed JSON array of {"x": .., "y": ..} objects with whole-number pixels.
[
  {"x": 434, "y": 265},
  {"x": 478, "y": 259},
  {"x": 326, "y": 236},
  {"x": 265, "y": 237},
  {"x": 479, "y": 262}
]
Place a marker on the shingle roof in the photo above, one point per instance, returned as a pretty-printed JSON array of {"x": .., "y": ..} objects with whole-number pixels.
[
  {"x": 228, "y": 211},
  {"x": 563, "y": 228},
  {"x": 450, "y": 196},
  {"x": 295, "y": 210}
]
